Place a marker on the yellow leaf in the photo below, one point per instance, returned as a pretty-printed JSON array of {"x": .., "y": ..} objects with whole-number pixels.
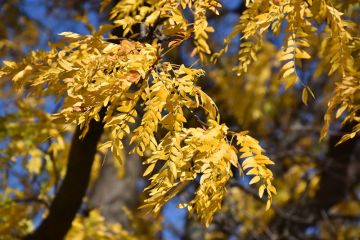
[
  {"x": 341, "y": 110},
  {"x": 152, "y": 17},
  {"x": 290, "y": 80},
  {"x": 105, "y": 145},
  {"x": 10, "y": 64},
  {"x": 288, "y": 65},
  {"x": 272, "y": 189},
  {"x": 286, "y": 57},
  {"x": 173, "y": 169},
  {"x": 304, "y": 96},
  {"x": 65, "y": 64},
  {"x": 246, "y": 154},
  {"x": 254, "y": 180},
  {"x": 34, "y": 165},
  {"x": 22, "y": 73},
  {"x": 268, "y": 205},
  {"x": 149, "y": 169},
  {"x": 288, "y": 72},
  {"x": 301, "y": 54},
  {"x": 261, "y": 190},
  {"x": 253, "y": 171},
  {"x": 70, "y": 34}
]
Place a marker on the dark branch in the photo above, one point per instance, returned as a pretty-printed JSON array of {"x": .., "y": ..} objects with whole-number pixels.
[
  {"x": 69, "y": 198},
  {"x": 333, "y": 184}
]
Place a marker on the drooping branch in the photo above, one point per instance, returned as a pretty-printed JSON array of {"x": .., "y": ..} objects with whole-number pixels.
[{"x": 69, "y": 198}]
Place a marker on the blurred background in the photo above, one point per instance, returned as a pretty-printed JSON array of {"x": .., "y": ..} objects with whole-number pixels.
[{"x": 318, "y": 184}]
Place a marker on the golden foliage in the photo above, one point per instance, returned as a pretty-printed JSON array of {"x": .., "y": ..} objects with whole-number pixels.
[
  {"x": 91, "y": 74},
  {"x": 151, "y": 100},
  {"x": 135, "y": 91},
  {"x": 128, "y": 13},
  {"x": 201, "y": 28},
  {"x": 341, "y": 62},
  {"x": 95, "y": 226},
  {"x": 255, "y": 164},
  {"x": 13, "y": 220},
  {"x": 299, "y": 21}
]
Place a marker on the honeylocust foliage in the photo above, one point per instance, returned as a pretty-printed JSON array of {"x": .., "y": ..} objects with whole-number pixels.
[
  {"x": 299, "y": 21},
  {"x": 137, "y": 92},
  {"x": 128, "y": 13},
  {"x": 91, "y": 75}
]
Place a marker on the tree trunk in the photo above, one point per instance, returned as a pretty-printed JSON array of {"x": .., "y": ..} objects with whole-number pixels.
[
  {"x": 69, "y": 197},
  {"x": 112, "y": 193}
]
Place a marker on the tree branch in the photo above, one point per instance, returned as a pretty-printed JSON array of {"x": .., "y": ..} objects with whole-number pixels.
[
  {"x": 69, "y": 198},
  {"x": 333, "y": 184}
]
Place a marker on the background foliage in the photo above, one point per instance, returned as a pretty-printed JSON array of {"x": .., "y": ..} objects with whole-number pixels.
[{"x": 169, "y": 97}]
